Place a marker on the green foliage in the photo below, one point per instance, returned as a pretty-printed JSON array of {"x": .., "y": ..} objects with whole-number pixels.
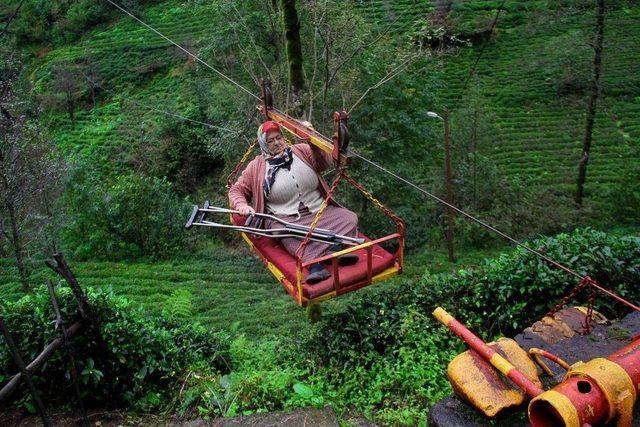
[
  {"x": 397, "y": 387},
  {"x": 62, "y": 21},
  {"x": 504, "y": 295},
  {"x": 377, "y": 351},
  {"x": 384, "y": 348},
  {"x": 134, "y": 217},
  {"x": 230, "y": 289},
  {"x": 565, "y": 62},
  {"x": 179, "y": 305},
  {"x": 145, "y": 358},
  {"x": 265, "y": 377},
  {"x": 623, "y": 200}
]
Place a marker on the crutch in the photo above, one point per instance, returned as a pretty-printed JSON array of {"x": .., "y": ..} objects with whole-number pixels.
[{"x": 198, "y": 217}]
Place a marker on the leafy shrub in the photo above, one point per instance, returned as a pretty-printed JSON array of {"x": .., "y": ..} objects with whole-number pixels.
[
  {"x": 504, "y": 295},
  {"x": 145, "y": 358},
  {"x": 63, "y": 20},
  {"x": 135, "y": 217},
  {"x": 396, "y": 387},
  {"x": 264, "y": 376}
]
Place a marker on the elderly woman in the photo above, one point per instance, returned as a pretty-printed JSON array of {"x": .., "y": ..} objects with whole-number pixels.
[{"x": 285, "y": 181}]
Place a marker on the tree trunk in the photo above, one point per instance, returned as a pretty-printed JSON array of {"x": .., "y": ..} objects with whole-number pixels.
[
  {"x": 70, "y": 109},
  {"x": 591, "y": 106},
  {"x": 16, "y": 243},
  {"x": 293, "y": 46}
]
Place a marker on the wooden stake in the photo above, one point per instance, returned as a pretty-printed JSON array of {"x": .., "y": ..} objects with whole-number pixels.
[
  {"x": 51, "y": 348},
  {"x": 65, "y": 343},
  {"x": 15, "y": 354}
]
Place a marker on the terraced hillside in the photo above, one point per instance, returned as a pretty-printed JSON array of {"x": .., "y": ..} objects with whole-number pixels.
[
  {"x": 539, "y": 130},
  {"x": 131, "y": 64},
  {"x": 232, "y": 292},
  {"x": 402, "y": 15}
]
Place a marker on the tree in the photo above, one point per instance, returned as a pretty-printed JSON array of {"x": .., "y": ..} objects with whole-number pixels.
[
  {"x": 591, "y": 104},
  {"x": 293, "y": 45},
  {"x": 91, "y": 77},
  {"x": 29, "y": 171},
  {"x": 67, "y": 85}
]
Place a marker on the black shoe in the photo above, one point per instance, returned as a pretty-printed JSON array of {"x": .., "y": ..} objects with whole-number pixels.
[
  {"x": 346, "y": 259},
  {"x": 317, "y": 273}
]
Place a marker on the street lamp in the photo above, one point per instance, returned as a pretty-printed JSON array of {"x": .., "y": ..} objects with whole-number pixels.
[{"x": 447, "y": 178}]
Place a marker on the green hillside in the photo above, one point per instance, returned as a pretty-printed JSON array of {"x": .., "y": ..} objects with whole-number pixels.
[
  {"x": 140, "y": 131},
  {"x": 539, "y": 131}
]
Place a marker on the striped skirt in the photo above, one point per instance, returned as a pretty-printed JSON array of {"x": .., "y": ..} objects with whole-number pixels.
[{"x": 337, "y": 219}]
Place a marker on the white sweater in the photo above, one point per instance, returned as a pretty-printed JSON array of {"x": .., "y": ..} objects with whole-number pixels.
[{"x": 292, "y": 187}]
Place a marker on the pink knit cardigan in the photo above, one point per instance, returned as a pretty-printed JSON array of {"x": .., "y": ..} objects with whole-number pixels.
[{"x": 249, "y": 186}]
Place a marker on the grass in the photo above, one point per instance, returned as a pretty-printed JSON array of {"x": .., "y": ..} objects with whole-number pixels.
[{"x": 230, "y": 290}]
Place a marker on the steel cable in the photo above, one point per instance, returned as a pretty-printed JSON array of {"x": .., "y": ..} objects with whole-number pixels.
[{"x": 383, "y": 169}]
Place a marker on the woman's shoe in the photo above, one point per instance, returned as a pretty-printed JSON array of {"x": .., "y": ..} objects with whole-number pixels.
[
  {"x": 317, "y": 273},
  {"x": 346, "y": 259}
]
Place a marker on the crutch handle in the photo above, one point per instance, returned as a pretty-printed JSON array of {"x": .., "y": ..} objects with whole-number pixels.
[{"x": 189, "y": 223}]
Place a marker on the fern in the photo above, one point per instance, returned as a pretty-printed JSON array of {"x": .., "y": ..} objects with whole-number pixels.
[{"x": 179, "y": 305}]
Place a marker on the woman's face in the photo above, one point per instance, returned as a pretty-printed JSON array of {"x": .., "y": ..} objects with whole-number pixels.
[{"x": 275, "y": 143}]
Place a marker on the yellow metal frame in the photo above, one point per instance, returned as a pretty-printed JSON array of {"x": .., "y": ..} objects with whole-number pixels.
[{"x": 315, "y": 137}]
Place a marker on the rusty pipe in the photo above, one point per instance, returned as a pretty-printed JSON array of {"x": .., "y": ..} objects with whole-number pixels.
[
  {"x": 595, "y": 392},
  {"x": 537, "y": 353},
  {"x": 487, "y": 353}
]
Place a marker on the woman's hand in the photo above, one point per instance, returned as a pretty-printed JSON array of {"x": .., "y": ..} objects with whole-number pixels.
[{"x": 246, "y": 210}]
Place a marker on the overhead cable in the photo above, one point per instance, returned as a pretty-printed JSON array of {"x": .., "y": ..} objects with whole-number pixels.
[{"x": 469, "y": 216}]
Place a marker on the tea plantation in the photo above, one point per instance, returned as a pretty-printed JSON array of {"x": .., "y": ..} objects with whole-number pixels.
[
  {"x": 111, "y": 96},
  {"x": 519, "y": 78}
]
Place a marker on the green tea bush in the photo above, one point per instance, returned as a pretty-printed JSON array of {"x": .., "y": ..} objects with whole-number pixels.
[
  {"x": 146, "y": 357},
  {"x": 504, "y": 295},
  {"x": 135, "y": 217},
  {"x": 622, "y": 200},
  {"x": 62, "y": 21}
]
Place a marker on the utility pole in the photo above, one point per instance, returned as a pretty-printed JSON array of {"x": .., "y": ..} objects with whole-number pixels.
[
  {"x": 448, "y": 184},
  {"x": 591, "y": 105}
]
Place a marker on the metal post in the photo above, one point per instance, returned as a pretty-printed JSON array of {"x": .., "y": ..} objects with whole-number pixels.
[
  {"x": 15, "y": 354},
  {"x": 448, "y": 184}
]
